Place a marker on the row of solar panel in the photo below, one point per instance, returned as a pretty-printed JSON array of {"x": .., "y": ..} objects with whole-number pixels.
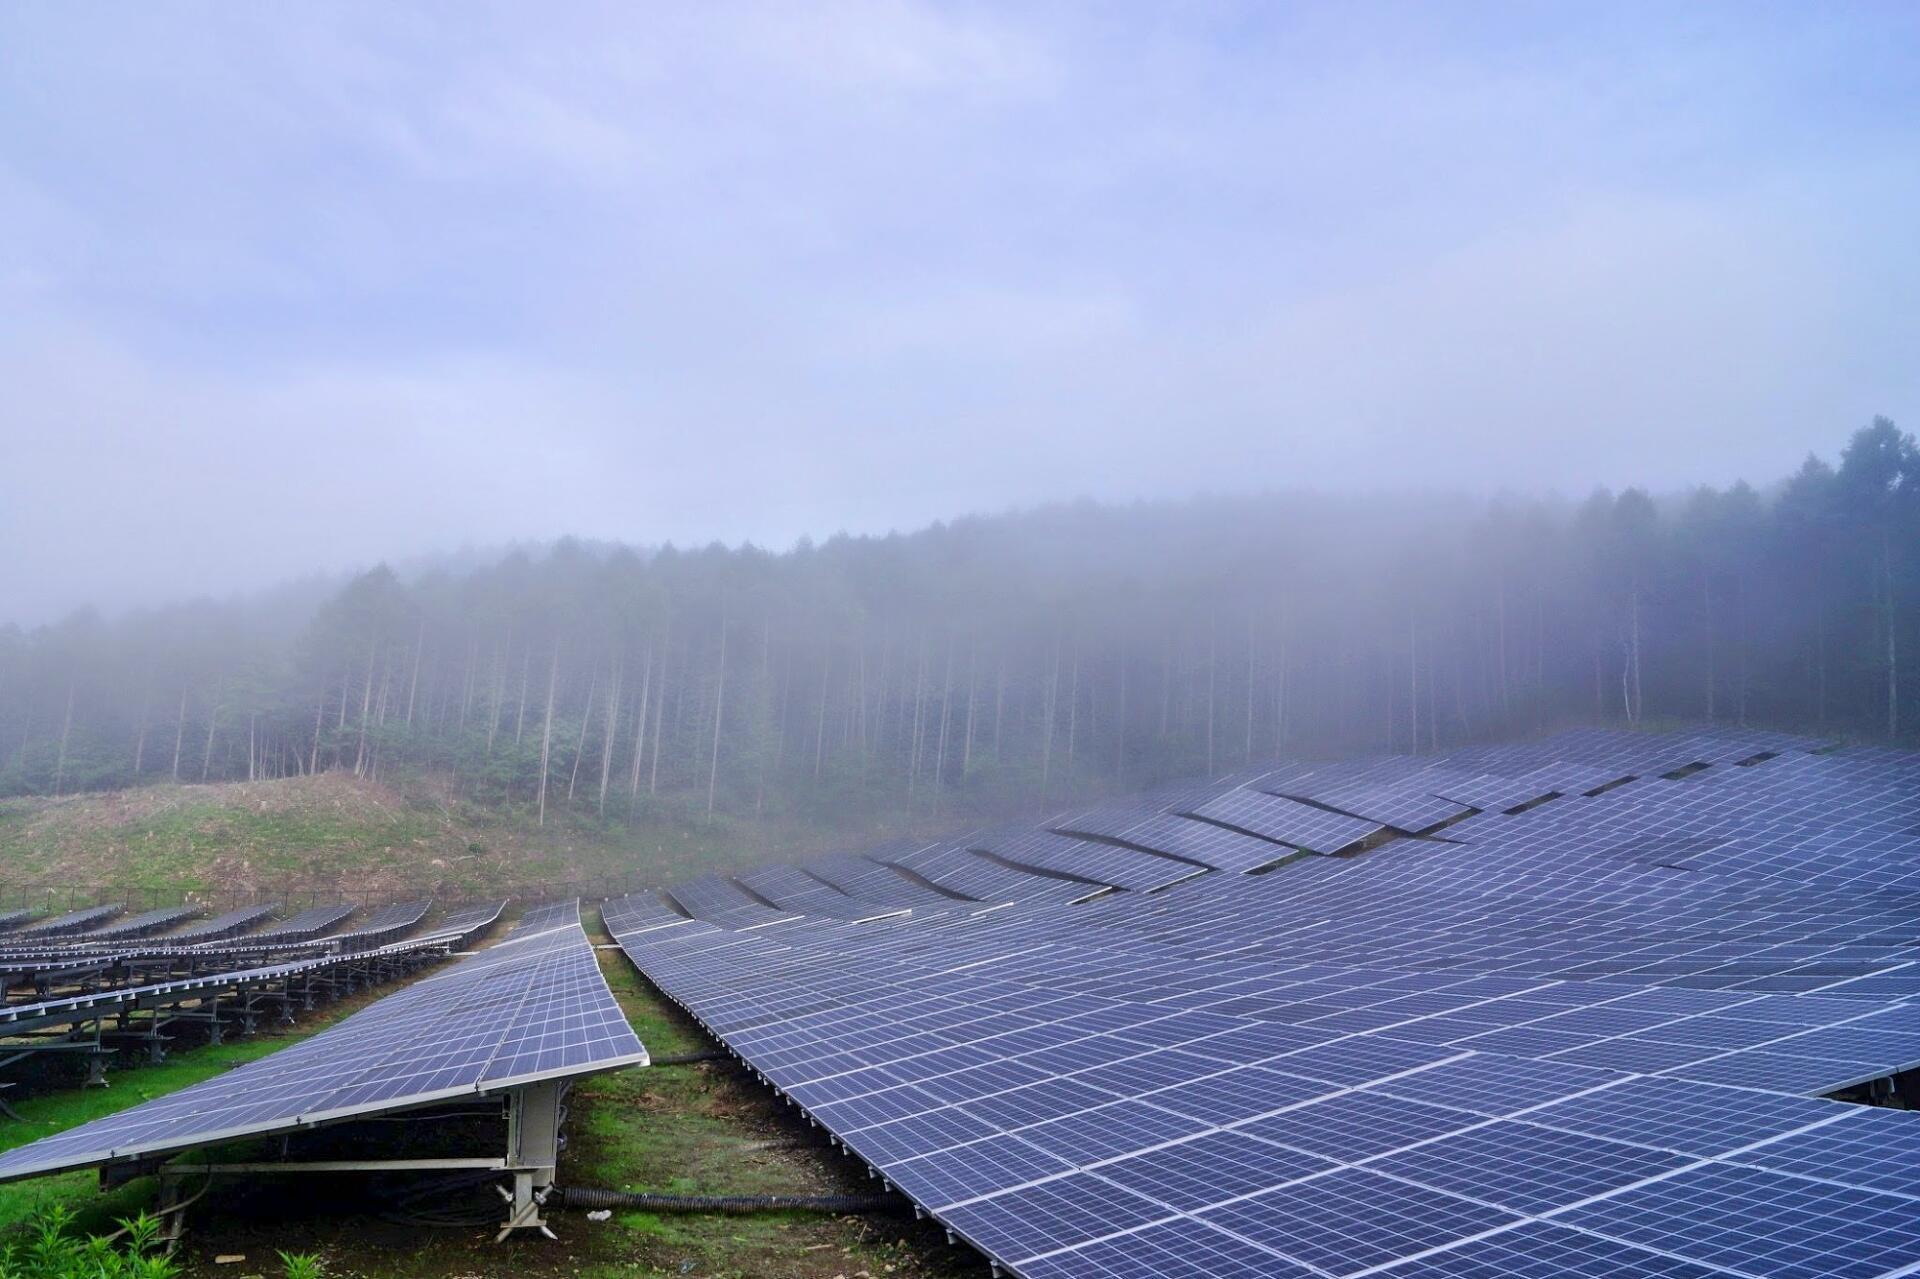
[
  {"x": 530, "y": 1008},
  {"x": 85, "y": 928},
  {"x": 1537, "y": 1041}
]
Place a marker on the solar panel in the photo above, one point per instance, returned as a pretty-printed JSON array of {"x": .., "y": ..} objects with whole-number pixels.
[
  {"x": 71, "y": 922},
  {"x": 146, "y": 922},
  {"x": 531, "y": 1008},
  {"x": 1350, "y": 1220},
  {"x": 874, "y": 881},
  {"x": 1446, "y": 1057},
  {"x": 313, "y": 922},
  {"x": 1284, "y": 821},
  {"x": 229, "y": 924},
  {"x": 1544, "y": 1250},
  {"x": 1758, "y": 1222}
]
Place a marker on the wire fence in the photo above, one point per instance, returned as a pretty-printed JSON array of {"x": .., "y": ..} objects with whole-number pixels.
[{"x": 290, "y": 896}]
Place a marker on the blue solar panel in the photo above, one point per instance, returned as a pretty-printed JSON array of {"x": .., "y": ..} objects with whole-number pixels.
[
  {"x": 1421, "y": 1059},
  {"x": 1526, "y": 1168},
  {"x": 1176, "y": 1248},
  {"x": 533, "y": 1007},
  {"x": 1351, "y": 1220},
  {"x": 1543, "y": 1250},
  {"x": 1758, "y": 1222}
]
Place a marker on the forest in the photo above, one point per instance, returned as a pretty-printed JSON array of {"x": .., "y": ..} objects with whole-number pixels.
[{"x": 999, "y": 661}]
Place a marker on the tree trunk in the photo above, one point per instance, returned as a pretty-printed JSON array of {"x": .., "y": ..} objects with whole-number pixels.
[
  {"x": 1639, "y": 704},
  {"x": 580, "y": 746},
  {"x": 946, "y": 705},
  {"x": 213, "y": 717},
  {"x": 546, "y": 731},
  {"x": 919, "y": 703},
  {"x": 640, "y": 726},
  {"x": 719, "y": 704},
  {"x": 820, "y": 720},
  {"x": 1500, "y": 632},
  {"x": 606, "y": 738},
  {"x": 499, "y": 693},
  {"x": 319, "y": 713},
  {"x": 659, "y": 714},
  {"x": 520, "y": 719},
  {"x": 66, "y": 730},
  {"x": 1046, "y": 718},
  {"x": 366, "y": 711},
  {"x": 999, "y": 700},
  {"x": 413, "y": 681},
  {"x": 179, "y": 732},
  {"x": 1073, "y": 705}
]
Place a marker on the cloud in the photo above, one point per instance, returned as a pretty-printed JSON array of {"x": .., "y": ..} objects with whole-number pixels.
[{"x": 370, "y": 279}]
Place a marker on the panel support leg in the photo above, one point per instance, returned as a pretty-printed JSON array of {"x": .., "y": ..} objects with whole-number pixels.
[
  {"x": 533, "y": 1150},
  {"x": 172, "y": 1213}
]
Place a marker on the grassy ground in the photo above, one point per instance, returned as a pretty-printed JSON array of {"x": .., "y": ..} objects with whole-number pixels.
[
  {"x": 337, "y": 833},
  {"x": 704, "y": 1128}
]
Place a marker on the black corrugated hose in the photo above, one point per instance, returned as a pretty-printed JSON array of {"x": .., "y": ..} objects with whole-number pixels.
[{"x": 594, "y": 1197}]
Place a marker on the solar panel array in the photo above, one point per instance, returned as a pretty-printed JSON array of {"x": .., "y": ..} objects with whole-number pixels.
[
  {"x": 1591, "y": 1038},
  {"x": 381, "y": 925},
  {"x": 12, "y": 919},
  {"x": 75, "y": 1009},
  {"x": 142, "y": 924},
  {"x": 315, "y": 921},
  {"x": 534, "y": 1007},
  {"x": 228, "y": 924},
  {"x": 72, "y": 922}
]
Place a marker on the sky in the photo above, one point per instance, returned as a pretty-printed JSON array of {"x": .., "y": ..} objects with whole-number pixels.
[{"x": 287, "y": 288}]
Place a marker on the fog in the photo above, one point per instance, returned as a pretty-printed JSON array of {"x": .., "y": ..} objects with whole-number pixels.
[{"x": 295, "y": 289}]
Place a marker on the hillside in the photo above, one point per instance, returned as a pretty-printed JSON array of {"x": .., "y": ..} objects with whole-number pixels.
[{"x": 337, "y": 833}]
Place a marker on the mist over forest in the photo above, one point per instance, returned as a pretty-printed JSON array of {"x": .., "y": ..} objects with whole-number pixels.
[{"x": 996, "y": 662}]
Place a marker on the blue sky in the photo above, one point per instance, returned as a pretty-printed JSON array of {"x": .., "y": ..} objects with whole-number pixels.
[{"x": 296, "y": 287}]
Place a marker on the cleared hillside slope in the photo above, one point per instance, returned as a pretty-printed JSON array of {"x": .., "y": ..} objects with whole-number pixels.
[{"x": 337, "y": 833}]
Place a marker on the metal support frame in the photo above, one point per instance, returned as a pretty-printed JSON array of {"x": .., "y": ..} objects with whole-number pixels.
[
  {"x": 529, "y": 1162},
  {"x": 533, "y": 1152}
]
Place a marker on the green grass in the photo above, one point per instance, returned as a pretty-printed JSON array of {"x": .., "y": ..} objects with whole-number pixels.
[
  {"x": 710, "y": 1129},
  {"x": 334, "y": 833},
  {"x": 172, "y": 840}
]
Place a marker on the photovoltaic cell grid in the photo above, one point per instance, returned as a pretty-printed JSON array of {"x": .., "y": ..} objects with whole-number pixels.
[
  {"x": 1535, "y": 1049},
  {"x": 151, "y": 921},
  {"x": 315, "y": 921},
  {"x": 533, "y": 1007},
  {"x": 71, "y": 922},
  {"x": 1087, "y": 860},
  {"x": 230, "y": 924},
  {"x": 875, "y": 882},
  {"x": 381, "y": 924},
  {"x": 455, "y": 929},
  {"x": 956, "y": 868}
]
